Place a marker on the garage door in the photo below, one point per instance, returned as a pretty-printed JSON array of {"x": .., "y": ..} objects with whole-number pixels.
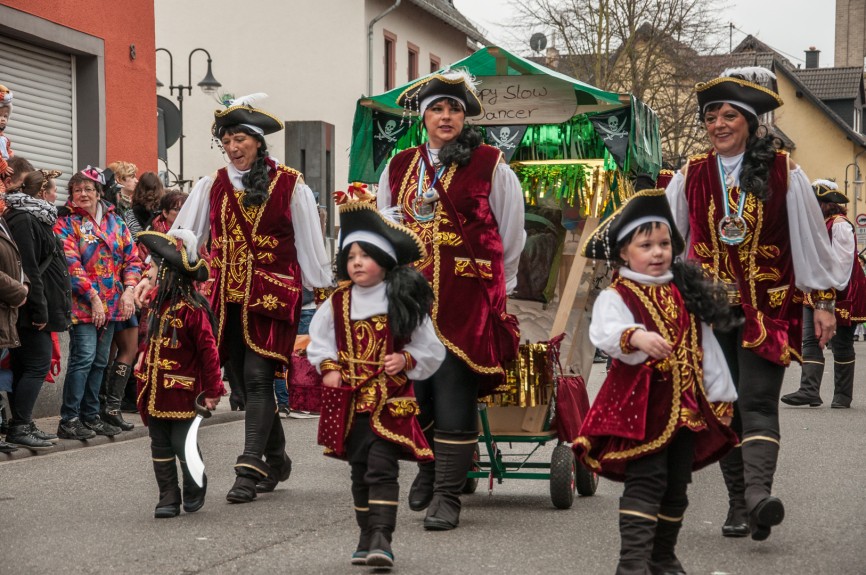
[{"x": 41, "y": 126}]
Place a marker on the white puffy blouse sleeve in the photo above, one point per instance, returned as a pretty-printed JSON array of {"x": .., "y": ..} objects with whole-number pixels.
[
  {"x": 383, "y": 194},
  {"x": 506, "y": 204},
  {"x": 309, "y": 242},
  {"x": 676, "y": 195},
  {"x": 817, "y": 266},
  {"x": 194, "y": 215},
  {"x": 844, "y": 243},
  {"x": 610, "y": 318},
  {"x": 717, "y": 377},
  {"x": 323, "y": 339},
  {"x": 426, "y": 349}
]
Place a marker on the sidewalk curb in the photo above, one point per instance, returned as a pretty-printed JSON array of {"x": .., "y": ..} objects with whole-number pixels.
[{"x": 139, "y": 431}]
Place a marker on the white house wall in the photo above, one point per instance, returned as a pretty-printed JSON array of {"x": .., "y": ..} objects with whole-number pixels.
[{"x": 309, "y": 56}]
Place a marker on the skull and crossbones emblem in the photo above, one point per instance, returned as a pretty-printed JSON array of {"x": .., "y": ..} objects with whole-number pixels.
[
  {"x": 505, "y": 139},
  {"x": 389, "y": 132},
  {"x": 613, "y": 129}
]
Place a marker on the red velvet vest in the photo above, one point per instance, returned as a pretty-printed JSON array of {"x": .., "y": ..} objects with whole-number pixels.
[
  {"x": 639, "y": 407},
  {"x": 389, "y": 399},
  {"x": 758, "y": 273},
  {"x": 254, "y": 263},
  {"x": 179, "y": 364},
  {"x": 851, "y": 301},
  {"x": 460, "y": 309}
]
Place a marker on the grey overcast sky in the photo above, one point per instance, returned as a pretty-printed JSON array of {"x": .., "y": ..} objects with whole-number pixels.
[{"x": 789, "y": 26}]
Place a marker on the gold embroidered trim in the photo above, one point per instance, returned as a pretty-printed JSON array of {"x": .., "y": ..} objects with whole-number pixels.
[
  {"x": 701, "y": 86},
  {"x": 248, "y": 466},
  {"x": 383, "y": 502},
  {"x": 760, "y": 438},
  {"x": 154, "y": 362},
  {"x": 670, "y": 519},
  {"x": 455, "y": 441},
  {"x": 625, "y": 341},
  {"x": 163, "y": 459},
  {"x": 843, "y": 362},
  {"x": 362, "y": 509},
  {"x": 638, "y": 514}
]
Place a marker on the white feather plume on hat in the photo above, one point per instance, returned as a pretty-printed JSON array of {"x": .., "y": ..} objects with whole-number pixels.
[
  {"x": 461, "y": 73},
  {"x": 754, "y": 74},
  {"x": 249, "y": 100},
  {"x": 829, "y": 184},
  {"x": 190, "y": 243}
]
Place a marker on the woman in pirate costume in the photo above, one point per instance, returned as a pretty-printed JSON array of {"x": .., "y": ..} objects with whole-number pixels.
[
  {"x": 752, "y": 222},
  {"x": 466, "y": 205},
  {"x": 179, "y": 362},
  {"x": 850, "y": 310},
  {"x": 372, "y": 337},
  {"x": 665, "y": 405},
  {"x": 262, "y": 225}
]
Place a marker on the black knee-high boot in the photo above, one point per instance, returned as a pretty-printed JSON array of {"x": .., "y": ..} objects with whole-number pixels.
[
  {"x": 663, "y": 560},
  {"x": 249, "y": 470},
  {"x": 114, "y": 390},
  {"x": 193, "y": 495},
  {"x": 165, "y": 470},
  {"x": 362, "y": 517},
  {"x": 454, "y": 458},
  {"x": 421, "y": 491},
  {"x": 637, "y": 530},
  {"x": 760, "y": 454},
  {"x": 843, "y": 375},
  {"x": 382, "y": 521},
  {"x": 737, "y": 522},
  {"x": 810, "y": 385},
  {"x": 276, "y": 457}
]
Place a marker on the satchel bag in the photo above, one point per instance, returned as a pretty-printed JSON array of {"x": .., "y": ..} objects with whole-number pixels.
[
  {"x": 336, "y": 403},
  {"x": 571, "y": 402}
]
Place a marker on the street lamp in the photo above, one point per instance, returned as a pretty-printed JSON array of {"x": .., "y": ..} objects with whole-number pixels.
[
  {"x": 208, "y": 85},
  {"x": 858, "y": 187}
]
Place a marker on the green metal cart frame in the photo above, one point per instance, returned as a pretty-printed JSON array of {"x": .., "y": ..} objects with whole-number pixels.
[{"x": 565, "y": 474}]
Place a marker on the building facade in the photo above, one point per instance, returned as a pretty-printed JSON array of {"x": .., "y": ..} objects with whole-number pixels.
[
  {"x": 82, "y": 74},
  {"x": 312, "y": 58}
]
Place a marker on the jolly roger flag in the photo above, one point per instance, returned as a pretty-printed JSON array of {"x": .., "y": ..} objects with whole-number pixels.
[
  {"x": 506, "y": 138},
  {"x": 613, "y": 128},
  {"x": 387, "y": 129}
]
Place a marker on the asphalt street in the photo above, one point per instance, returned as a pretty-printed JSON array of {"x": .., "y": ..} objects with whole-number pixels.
[{"x": 90, "y": 510}]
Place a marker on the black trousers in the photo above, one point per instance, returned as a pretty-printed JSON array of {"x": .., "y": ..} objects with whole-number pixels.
[
  {"x": 663, "y": 478},
  {"x": 374, "y": 462},
  {"x": 842, "y": 343},
  {"x": 759, "y": 385},
  {"x": 30, "y": 364},
  {"x": 263, "y": 432},
  {"x": 449, "y": 398},
  {"x": 168, "y": 434}
]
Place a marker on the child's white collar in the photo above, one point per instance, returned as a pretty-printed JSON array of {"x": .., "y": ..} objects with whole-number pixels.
[{"x": 627, "y": 273}]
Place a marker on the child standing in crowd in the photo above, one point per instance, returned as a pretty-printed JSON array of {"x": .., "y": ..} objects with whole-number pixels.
[
  {"x": 181, "y": 360},
  {"x": 370, "y": 339},
  {"x": 653, "y": 421},
  {"x": 5, "y": 145}
]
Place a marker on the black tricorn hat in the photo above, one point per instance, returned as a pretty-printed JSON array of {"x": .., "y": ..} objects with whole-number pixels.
[
  {"x": 177, "y": 250},
  {"x": 362, "y": 222},
  {"x": 828, "y": 191},
  {"x": 649, "y": 205},
  {"x": 456, "y": 84},
  {"x": 740, "y": 86},
  {"x": 241, "y": 111}
]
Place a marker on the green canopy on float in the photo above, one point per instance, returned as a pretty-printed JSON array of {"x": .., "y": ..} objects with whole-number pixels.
[{"x": 555, "y": 110}]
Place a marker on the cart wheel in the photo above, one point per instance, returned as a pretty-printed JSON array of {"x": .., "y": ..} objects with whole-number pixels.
[
  {"x": 587, "y": 481},
  {"x": 472, "y": 482},
  {"x": 562, "y": 476}
]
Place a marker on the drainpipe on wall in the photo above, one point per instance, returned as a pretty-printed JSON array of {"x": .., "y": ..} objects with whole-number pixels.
[
  {"x": 856, "y": 173},
  {"x": 370, "y": 45}
]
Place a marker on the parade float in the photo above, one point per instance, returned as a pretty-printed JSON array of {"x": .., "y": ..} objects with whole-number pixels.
[{"x": 573, "y": 147}]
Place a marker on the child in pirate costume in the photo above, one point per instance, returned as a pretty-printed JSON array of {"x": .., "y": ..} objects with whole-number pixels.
[
  {"x": 369, "y": 340},
  {"x": 662, "y": 410},
  {"x": 850, "y": 310},
  {"x": 180, "y": 361}
]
